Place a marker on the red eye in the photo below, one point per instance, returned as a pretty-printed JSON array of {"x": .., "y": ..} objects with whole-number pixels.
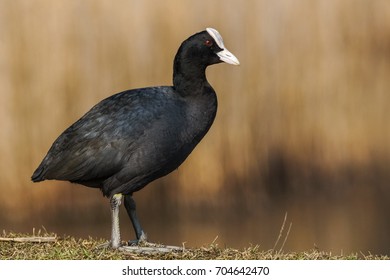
[{"x": 208, "y": 43}]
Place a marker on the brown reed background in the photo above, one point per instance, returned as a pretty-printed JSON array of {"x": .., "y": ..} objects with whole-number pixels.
[{"x": 302, "y": 126}]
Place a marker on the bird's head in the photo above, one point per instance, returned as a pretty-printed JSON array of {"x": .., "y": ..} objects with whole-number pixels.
[{"x": 205, "y": 48}]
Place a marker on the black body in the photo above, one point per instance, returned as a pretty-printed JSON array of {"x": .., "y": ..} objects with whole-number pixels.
[{"x": 130, "y": 139}]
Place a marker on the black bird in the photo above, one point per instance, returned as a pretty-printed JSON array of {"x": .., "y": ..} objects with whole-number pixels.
[{"x": 137, "y": 136}]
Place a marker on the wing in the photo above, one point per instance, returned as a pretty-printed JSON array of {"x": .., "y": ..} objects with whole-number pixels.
[{"x": 96, "y": 146}]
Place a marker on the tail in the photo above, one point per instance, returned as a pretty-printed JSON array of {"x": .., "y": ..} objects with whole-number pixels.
[{"x": 38, "y": 175}]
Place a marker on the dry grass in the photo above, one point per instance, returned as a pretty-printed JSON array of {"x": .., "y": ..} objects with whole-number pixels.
[{"x": 69, "y": 248}]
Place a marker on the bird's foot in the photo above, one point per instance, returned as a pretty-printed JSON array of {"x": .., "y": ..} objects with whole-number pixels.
[
  {"x": 141, "y": 245},
  {"x": 105, "y": 245},
  {"x": 151, "y": 248},
  {"x": 139, "y": 242},
  {"x": 108, "y": 245}
]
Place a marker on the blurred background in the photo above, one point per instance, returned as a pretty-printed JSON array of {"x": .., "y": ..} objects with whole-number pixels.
[{"x": 302, "y": 127}]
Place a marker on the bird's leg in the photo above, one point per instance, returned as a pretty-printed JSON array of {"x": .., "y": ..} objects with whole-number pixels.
[
  {"x": 130, "y": 207},
  {"x": 115, "y": 202},
  {"x": 143, "y": 245}
]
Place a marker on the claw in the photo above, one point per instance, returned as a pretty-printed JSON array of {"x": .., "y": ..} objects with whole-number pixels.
[
  {"x": 108, "y": 245},
  {"x": 149, "y": 248},
  {"x": 142, "y": 240},
  {"x": 105, "y": 245}
]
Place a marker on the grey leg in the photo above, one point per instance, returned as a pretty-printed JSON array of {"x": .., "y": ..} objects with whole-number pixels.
[
  {"x": 130, "y": 207},
  {"x": 115, "y": 202},
  {"x": 142, "y": 245}
]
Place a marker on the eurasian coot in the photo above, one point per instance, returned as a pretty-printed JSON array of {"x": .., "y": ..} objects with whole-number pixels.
[{"x": 134, "y": 137}]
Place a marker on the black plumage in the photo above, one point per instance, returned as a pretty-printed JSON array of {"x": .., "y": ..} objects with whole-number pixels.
[{"x": 136, "y": 136}]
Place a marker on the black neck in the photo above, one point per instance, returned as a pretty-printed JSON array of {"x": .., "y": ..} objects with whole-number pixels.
[{"x": 189, "y": 78}]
